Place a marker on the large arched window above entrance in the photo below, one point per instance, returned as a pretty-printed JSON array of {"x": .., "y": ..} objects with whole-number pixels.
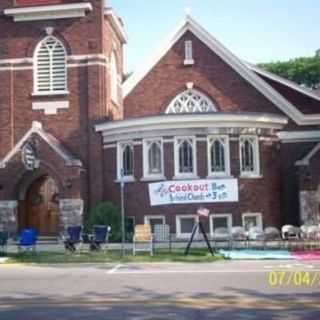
[
  {"x": 191, "y": 101},
  {"x": 50, "y": 66}
]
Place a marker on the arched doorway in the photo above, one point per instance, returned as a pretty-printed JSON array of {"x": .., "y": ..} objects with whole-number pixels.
[{"x": 41, "y": 207}]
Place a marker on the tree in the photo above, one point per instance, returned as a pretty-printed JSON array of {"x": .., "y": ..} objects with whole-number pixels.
[
  {"x": 126, "y": 76},
  {"x": 304, "y": 71}
]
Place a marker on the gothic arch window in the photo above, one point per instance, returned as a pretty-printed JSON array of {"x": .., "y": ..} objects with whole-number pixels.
[
  {"x": 153, "y": 158},
  {"x": 50, "y": 66},
  {"x": 125, "y": 160},
  {"x": 191, "y": 101},
  {"x": 114, "y": 78},
  {"x": 218, "y": 155},
  {"x": 249, "y": 156},
  {"x": 185, "y": 156}
]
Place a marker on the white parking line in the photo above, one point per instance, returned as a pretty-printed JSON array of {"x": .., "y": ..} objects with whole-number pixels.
[{"x": 115, "y": 268}]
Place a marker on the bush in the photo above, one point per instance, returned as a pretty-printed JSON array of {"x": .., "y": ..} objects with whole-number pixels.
[{"x": 105, "y": 213}]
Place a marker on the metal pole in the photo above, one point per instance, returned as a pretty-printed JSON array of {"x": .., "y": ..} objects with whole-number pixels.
[{"x": 122, "y": 219}]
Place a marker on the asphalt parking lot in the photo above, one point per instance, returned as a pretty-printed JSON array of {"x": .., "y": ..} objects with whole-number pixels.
[{"x": 247, "y": 289}]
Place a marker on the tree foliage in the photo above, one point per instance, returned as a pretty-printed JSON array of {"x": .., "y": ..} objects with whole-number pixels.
[
  {"x": 105, "y": 213},
  {"x": 304, "y": 70}
]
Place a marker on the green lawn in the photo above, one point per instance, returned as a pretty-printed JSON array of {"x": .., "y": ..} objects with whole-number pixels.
[{"x": 196, "y": 255}]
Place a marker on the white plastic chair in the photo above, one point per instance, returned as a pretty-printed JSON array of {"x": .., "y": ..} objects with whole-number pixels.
[
  {"x": 239, "y": 234},
  {"x": 272, "y": 234},
  {"x": 289, "y": 232},
  {"x": 222, "y": 234}
]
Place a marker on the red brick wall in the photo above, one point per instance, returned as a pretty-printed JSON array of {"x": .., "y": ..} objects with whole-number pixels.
[
  {"x": 88, "y": 98},
  {"x": 255, "y": 195},
  {"x": 210, "y": 74}
]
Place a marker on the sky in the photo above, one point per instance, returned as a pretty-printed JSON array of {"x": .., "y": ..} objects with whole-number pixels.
[{"x": 254, "y": 30}]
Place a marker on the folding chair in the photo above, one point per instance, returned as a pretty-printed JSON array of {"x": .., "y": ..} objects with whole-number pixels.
[
  {"x": 100, "y": 237},
  {"x": 142, "y": 239},
  {"x": 73, "y": 239},
  {"x": 28, "y": 239}
]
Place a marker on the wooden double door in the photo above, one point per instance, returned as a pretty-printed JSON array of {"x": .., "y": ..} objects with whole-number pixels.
[{"x": 41, "y": 208}]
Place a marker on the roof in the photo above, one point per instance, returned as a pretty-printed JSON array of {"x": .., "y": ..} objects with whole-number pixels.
[
  {"x": 189, "y": 24},
  {"x": 117, "y": 24},
  {"x": 309, "y": 92},
  {"x": 53, "y": 142}
]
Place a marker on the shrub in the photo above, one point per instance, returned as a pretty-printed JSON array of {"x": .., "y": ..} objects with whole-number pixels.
[{"x": 105, "y": 213}]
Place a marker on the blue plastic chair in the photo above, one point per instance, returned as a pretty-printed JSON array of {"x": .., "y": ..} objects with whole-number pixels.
[
  {"x": 28, "y": 239},
  {"x": 73, "y": 238},
  {"x": 100, "y": 237}
]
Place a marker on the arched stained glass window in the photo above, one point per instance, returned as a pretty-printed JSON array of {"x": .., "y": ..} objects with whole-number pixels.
[
  {"x": 155, "y": 158},
  {"x": 249, "y": 152}
]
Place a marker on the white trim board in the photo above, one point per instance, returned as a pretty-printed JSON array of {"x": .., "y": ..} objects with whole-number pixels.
[
  {"x": 45, "y": 12},
  {"x": 299, "y": 136},
  {"x": 257, "y": 82},
  {"x": 116, "y": 23},
  {"x": 193, "y": 121}
]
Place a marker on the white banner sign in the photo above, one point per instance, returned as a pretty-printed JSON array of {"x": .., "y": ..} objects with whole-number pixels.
[{"x": 193, "y": 191}]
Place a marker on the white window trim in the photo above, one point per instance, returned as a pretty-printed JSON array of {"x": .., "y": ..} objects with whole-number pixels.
[
  {"x": 120, "y": 161},
  {"x": 148, "y": 217},
  {"x": 177, "y": 174},
  {"x": 222, "y": 215},
  {"x": 150, "y": 176},
  {"x": 178, "y": 225},
  {"x": 256, "y": 158},
  {"x": 36, "y": 92},
  {"x": 226, "y": 173},
  {"x": 258, "y": 215}
]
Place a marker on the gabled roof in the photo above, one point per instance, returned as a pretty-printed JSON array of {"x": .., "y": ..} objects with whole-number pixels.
[
  {"x": 189, "y": 24},
  {"x": 286, "y": 82},
  {"x": 54, "y": 143}
]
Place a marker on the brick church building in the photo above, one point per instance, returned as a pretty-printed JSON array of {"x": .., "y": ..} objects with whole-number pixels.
[{"x": 195, "y": 126}]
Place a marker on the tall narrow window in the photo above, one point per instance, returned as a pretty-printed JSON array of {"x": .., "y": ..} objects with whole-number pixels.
[
  {"x": 218, "y": 155},
  {"x": 50, "y": 67},
  {"x": 125, "y": 160},
  {"x": 153, "y": 158},
  {"x": 188, "y": 60},
  {"x": 249, "y": 156},
  {"x": 185, "y": 156},
  {"x": 114, "y": 78}
]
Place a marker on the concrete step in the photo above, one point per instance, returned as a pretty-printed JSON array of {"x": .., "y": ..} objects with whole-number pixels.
[{"x": 47, "y": 240}]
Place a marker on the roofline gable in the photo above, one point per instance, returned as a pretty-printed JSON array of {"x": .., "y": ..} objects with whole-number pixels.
[
  {"x": 189, "y": 24},
  {"x": 49, "y": 139},
  {"x": 286, "y": 82}
]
